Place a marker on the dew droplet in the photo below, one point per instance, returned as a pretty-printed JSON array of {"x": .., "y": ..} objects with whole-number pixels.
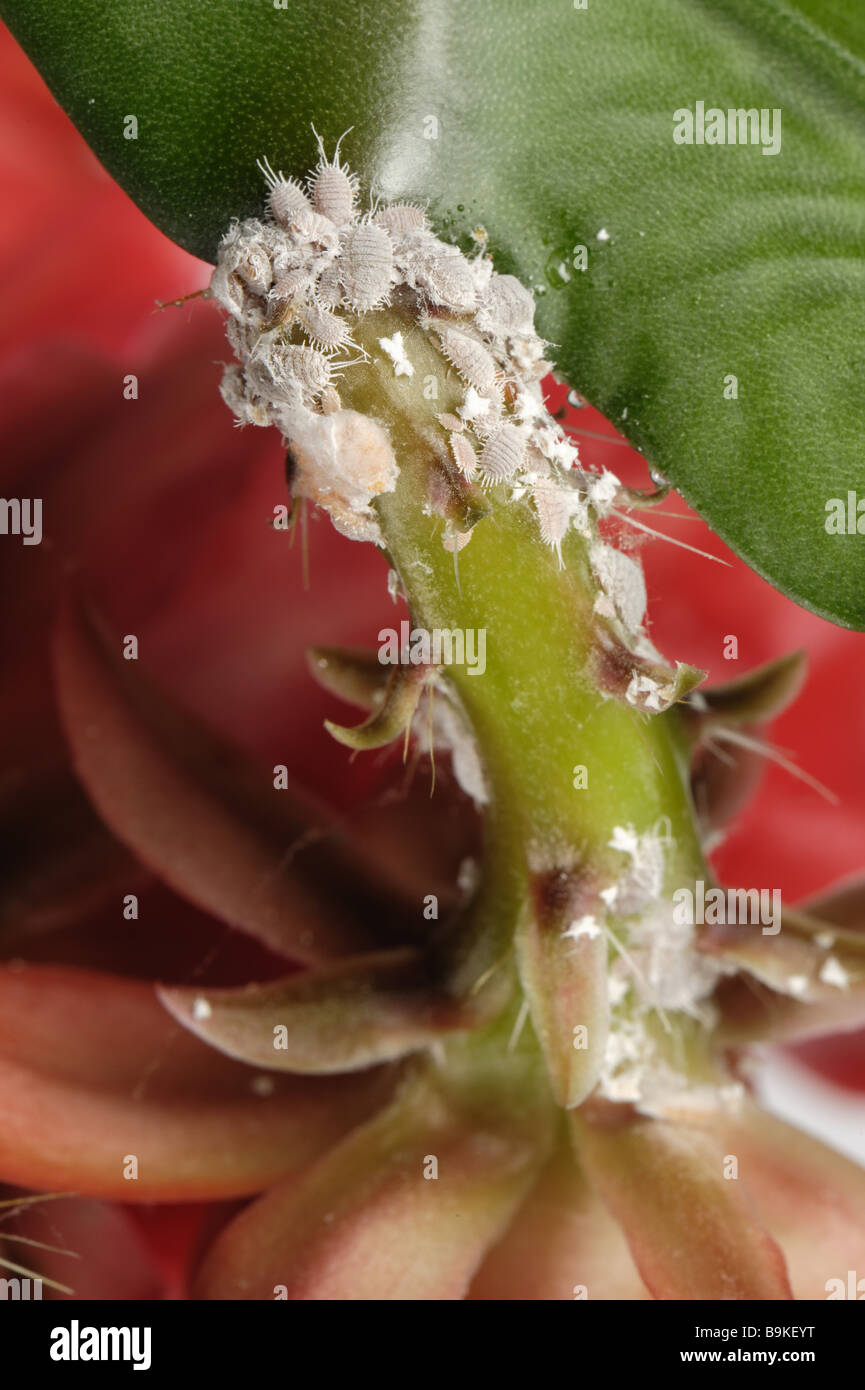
[
  {"x": 576, "y": 400},
  {"x": 558, "y": 270}
]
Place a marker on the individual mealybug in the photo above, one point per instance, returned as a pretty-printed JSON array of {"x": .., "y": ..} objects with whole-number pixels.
[
  {"x": 333, "y": 186},
  {"x": 502, "y": 455},
  {"x": 470, "y": 358},
  {"x": 366, "y": 265},
  {"x": 286, "y": 198}
]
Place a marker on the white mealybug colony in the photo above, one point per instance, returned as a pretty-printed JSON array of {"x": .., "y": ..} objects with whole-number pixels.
[{"x": 294, "y": 284}]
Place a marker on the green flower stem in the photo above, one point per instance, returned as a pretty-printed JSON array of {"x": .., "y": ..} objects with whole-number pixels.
[{"x": 535, "y": 711}]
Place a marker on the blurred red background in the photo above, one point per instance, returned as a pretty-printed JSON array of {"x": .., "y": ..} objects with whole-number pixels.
[{"x": 159, "y": 506}]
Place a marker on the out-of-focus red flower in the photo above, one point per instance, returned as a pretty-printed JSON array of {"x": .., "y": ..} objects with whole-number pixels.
[{"x": 158, "y": 509}]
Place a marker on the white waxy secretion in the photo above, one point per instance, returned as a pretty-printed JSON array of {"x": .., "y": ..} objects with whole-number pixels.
[{"x": 395, "y": 349}]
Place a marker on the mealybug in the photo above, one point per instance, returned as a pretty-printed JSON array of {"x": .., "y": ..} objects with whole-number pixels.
[
  {"x": 503, "y": 453},
  {"x": 334, "y": 186},
  {"x": 286, "y": 198}
]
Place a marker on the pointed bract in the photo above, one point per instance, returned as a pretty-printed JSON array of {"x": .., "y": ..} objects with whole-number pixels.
[
  {"x": 393, "y": 715},
  {"x": 405, "y": 1208},
  {"x": 371, "y": 1009},
  {"x": 562, "y": 957},
  {"x": 693, "y": 1232},
  {"x": 754, "y": 698}
]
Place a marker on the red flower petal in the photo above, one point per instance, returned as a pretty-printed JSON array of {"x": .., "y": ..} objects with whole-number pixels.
[
  {"x": 83, "y": 254},
  {"x": 843, "y": 905},
  {"x": 92, "y": 1069},
  {"x": 57, "y": 860},
  {"x": 197, "y": 811}
]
